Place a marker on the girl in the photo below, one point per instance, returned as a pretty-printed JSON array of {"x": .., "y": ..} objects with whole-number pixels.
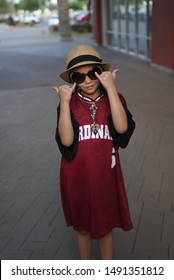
[{"x": 93, "y": 122}]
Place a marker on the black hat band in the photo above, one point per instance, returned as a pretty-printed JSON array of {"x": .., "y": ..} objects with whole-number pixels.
[{"x": 83, "y": 58}]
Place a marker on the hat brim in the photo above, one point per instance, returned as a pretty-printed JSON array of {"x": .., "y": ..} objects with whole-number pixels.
[{"x": 65, "y": 75}]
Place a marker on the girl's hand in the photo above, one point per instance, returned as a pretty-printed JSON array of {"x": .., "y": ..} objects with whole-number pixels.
[
  {"x": 65, "y": 92},
  {"x": 107, "y": 78}
]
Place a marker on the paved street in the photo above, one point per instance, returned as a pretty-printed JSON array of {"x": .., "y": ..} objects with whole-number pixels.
[{"x": 31, "y": 220}]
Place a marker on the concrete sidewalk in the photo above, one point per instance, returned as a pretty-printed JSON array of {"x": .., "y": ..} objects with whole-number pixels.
[{"x": 31, "y": 220}]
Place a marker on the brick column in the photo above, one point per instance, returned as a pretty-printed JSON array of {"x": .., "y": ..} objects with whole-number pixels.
[
  {"x": 163, "y": 33},
  {"x": 97, "y": 22}
]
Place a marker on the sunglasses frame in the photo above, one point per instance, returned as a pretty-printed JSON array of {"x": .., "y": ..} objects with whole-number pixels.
[{"x": 87, "y": 74}]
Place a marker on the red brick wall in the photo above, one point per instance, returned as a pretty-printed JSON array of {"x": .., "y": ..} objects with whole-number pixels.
[
  {"x": 97, "y": 22},
  {"x": 163, "y": 33}
]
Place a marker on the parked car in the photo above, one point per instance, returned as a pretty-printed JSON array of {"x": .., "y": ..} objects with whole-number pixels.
[
  {"x": 27, "y": 18},
  {"x": 75, "y": 19},
  {"x": 31, "y": 18},
  {"x": 84, "y": 16},
  {"x": 53, "y": 23}
]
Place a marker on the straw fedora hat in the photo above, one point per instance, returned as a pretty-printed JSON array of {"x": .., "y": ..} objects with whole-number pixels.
[{"x": 82, "y": 55}]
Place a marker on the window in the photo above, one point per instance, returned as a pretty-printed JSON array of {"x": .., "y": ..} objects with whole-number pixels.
[{"x": 128, "y": 26}]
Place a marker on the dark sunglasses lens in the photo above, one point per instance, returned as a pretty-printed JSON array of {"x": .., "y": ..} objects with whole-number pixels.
[
  {"x": 77, "y": 77},
  {"x": 98, "y": 69},
  {"x": 91, "y": 73}
]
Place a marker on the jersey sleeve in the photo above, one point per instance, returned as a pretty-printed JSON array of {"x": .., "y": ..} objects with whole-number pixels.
[
  {"x": 122, "y": 140},
  {"x": 68, "y": 152}
]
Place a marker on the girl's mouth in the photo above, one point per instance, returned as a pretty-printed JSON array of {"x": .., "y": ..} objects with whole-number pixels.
[{"x": 89, "y": 87}]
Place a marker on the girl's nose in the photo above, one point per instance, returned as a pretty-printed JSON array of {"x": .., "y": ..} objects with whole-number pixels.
[{"x": 87, "y": 79}]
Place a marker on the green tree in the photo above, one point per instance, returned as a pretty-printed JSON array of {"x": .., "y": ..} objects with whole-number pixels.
[
  {"x": 78, "y": 5},
  {"x": 30, "y": 5},
  {"x": 75, "y": 5},
  {"x": 4, "y": 7}
]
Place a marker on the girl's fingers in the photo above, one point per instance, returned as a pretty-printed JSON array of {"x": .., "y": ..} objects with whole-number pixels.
[
  {"x": 114, "y": 73},
  {"x": 64, "y": 87},
  {"x": 56, "y": 89},
  {"x": 73, "y": 87},
  {"x": 98, "y": 76}
]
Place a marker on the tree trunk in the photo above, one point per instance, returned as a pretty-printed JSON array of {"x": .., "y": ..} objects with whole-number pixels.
[{"x": 64, "y": 24}]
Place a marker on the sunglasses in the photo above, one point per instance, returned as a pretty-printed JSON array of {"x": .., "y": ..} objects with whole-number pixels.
[{"x": 78, "y": 78}]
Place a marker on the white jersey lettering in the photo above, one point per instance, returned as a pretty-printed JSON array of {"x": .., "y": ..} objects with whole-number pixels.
[
  {"x": 85, "y": 133},
  {"x": 113, "y": 160},
  {"x": 107, "y": 135},
  {"x": 81, "y": 133}
]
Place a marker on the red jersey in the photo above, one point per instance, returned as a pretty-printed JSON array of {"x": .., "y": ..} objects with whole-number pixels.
[{"x": 92, "y": 186}]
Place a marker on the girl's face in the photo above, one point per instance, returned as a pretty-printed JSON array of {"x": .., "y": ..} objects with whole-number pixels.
[{"x": 89, "y": 87}]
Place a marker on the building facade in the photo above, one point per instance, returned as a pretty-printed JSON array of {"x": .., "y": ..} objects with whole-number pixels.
[{"x": 143, "y": 28}]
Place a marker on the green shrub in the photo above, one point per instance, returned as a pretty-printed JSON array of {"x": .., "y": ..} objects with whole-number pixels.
[{"x": 85, "y": 27}]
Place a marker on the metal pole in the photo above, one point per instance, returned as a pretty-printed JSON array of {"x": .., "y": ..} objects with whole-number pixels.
[
  {"x": 12, "y": 7},
  {"x": 40, "y": 4},
  {"x": 136, "y": 28}
]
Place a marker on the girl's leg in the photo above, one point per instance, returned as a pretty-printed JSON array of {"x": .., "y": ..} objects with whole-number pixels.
[
  {"x": 106, "y": 245},
  {"x": 84, "y": 244}
]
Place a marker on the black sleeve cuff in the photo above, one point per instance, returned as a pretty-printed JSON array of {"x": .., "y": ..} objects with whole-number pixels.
[{"x": 122, "y": 140}]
